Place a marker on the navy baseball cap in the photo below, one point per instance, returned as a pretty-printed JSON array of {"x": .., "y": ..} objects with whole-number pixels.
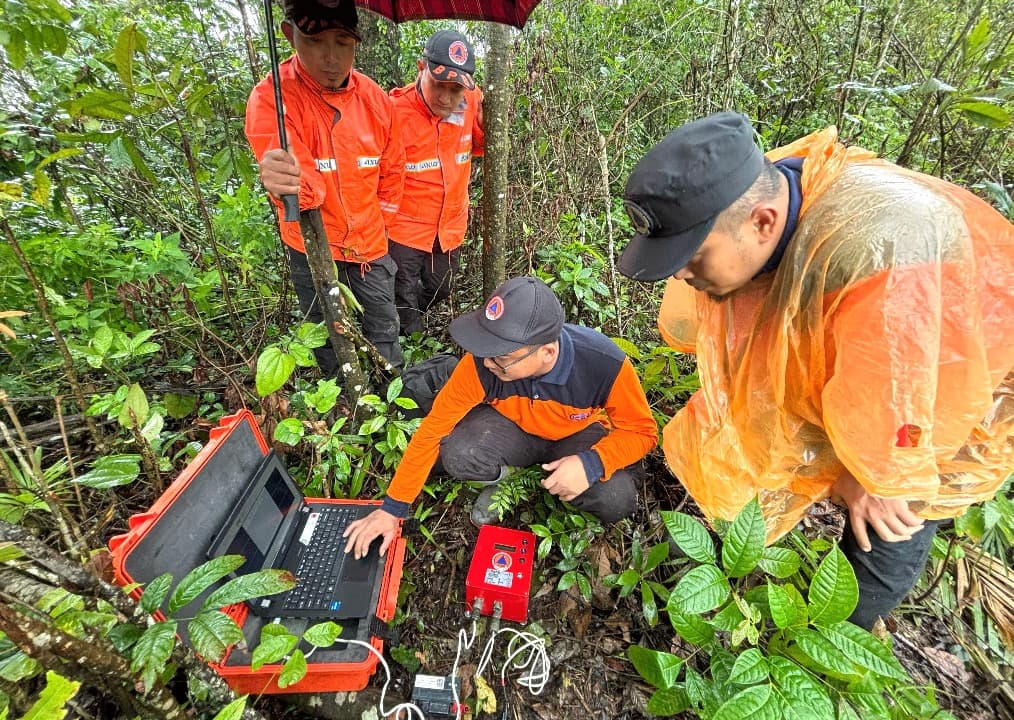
[
  {"x": 450, "y": 57},
  {"x": 522, "y": 312},
  {"x": 678, "y": 189}
]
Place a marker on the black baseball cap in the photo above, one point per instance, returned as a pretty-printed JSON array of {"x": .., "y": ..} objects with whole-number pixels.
[
  {"x": 315, "y": 16},
  {"x": 521, "y": 312},
  {"x": 449, "y": 56},
  {"x": 679, "y": 188}
]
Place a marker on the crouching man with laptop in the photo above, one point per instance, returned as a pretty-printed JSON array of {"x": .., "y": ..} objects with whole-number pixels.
[{"x": 530, "y": 389}]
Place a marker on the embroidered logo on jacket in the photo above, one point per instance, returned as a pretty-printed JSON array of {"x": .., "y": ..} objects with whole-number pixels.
[
  {"x": 580, "y": 416},
  {"x": 368, "y": 162},
  {"x": 326, "y": 164}
]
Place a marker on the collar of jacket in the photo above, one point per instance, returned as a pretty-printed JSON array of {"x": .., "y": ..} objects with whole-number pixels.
[
  {"x": 564, "y": 363},
  {"x": 317, "y": 88}
]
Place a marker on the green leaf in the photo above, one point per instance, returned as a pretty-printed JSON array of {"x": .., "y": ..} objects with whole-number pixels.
[
  {"x": 978, "y": 38},
  {"x": 274, "y": 368},
  {"x": 212, "y": 632},
  {"x": 668, "y": 701},
  {"x": 155, "y": 592},
  {"x": 691, "y": 627},
  {"x": 289, "y": 431},
  {"x": 783, "y": 611},
  {"x": 102, "y": 104},
  {"x": 323, "y": 634},
  {"x": 660, "y": 669},
  {"x": 123, "y": 55},
  {"x": 135, "y": 408},
  {"x": 232, "y": 711},
  {"x": 294, "y": 670},
  {"x": 803, "y": 698},
  {"x": 690, "y": 535},
  {"x": 656, "y": 555},
  {"x": 272, "y": 648},
  {"x": 9, "y": 551},
  {"x": 201, "y": 578},
  {"x": 629, "y": 348},
  {"x": 744, "y": 542},
  {"x": 828, "y": 657},
  {"x": 756, "y": 703},
  {"x": 834, "y": 591},
  {"x": 153, "y": 649},
  {"x": 53, "y": 698},
  {"x": 864, "y": 650},
  {"x": 566, "y": 580},
  {"x": 247, "y": 587},
  {"x": 125, "y": 144},
  {"x": 313, "y": 335},
  {"x": 750, "y": 668},
  {"x": 780, "y": 562},
  {"x": 703, "y": 588},
  {"x": 649, "y": 608},
  {"x": 303, "y": 355},
  {"x": 16, "y": 666},
  {"x": 111, "y": 471},
  {"x": 984, "y": 113},
  {"x": 179, "y": 405}
]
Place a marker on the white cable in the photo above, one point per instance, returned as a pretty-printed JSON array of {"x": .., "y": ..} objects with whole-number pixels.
[
  {"x": 464, "y": 643},
  {"x": 410, "y": 710},
  {"x": 535, "y": 662}
]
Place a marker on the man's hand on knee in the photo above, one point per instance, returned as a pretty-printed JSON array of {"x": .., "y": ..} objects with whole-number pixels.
[
  {"x": 890, "y": 518},
  {"x": 567, "y": 478}
]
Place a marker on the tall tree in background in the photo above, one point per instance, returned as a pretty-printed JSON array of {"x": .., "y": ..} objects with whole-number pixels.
[{"x": 494, "y": 174}]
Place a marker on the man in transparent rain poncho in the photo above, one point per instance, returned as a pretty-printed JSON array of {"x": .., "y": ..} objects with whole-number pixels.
[{"x": 853, "y": 323}]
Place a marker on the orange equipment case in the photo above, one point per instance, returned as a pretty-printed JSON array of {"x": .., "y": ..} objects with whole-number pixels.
[{"x": 173, "y": 536}]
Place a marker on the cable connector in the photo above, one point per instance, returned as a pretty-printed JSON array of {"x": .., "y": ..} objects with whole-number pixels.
[
  {"x": 497, "y": 614},
  {"x": 476, "y": 608}
]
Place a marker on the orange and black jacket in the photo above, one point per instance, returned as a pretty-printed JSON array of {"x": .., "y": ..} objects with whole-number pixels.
[
  {"x": 592, "y": 382},
  {"x": 438, "y": 165},
  {"x": 349, "y": 151}
]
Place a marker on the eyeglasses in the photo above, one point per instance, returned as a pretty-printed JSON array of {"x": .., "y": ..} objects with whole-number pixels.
[{"x": 515, "y": 361}]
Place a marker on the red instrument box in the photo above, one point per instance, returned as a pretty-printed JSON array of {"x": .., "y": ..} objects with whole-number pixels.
[{"x": 501, "y": 572}]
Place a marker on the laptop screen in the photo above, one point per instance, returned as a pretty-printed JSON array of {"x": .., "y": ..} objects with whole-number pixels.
[{"x": 254, "y": 529}]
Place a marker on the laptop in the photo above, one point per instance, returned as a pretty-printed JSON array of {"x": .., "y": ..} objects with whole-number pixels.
[{"x": 274, "y": 526}]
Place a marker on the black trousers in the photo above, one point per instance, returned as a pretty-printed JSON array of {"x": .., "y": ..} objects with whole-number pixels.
[
  {"x": 423, "y": 280},
  {"x": 887, "y": 573},
  {"x": 485, "y": 441},
  {"x": 374, "y": 289}
]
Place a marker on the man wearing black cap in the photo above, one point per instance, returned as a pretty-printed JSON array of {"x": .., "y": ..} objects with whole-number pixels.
[
  {"x": 530, "y": 389},
  {"x": 345, "y": 157},
  {"x": 854, "y": 329},
  {"x": 440, "y": 114}
]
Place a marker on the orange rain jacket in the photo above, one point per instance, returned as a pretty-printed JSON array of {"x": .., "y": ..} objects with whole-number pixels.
[
  {"x": 592, "y": 382},
  {"x": 438, "y": 165},
  {"x": 883, "y": 344},
  {"x": 350, "y": 153}
]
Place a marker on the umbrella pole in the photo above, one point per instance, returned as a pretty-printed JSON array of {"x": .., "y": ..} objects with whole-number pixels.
[{"x": 289, "y": 202}]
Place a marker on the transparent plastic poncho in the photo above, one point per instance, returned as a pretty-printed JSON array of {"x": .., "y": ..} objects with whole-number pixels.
[{"x": 883, "y": 344}]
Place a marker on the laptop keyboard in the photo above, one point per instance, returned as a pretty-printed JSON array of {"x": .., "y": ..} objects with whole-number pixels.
[{"x": 317, "y": 573}]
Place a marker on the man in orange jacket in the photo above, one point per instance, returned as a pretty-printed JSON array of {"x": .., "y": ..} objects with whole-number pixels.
[
  {"x": 530, "y": 389},
  {"x": 345, "y": 157},
  {"x": 440, "y": 115},
  {"x": 854, "y": 329}
]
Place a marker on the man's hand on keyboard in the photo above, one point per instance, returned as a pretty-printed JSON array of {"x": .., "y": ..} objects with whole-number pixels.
[{"x": 365, "y": 530}]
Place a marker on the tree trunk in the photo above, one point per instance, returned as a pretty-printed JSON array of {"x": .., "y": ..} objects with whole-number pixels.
[
  {"x": 380, "y": 50},
  {"x": 344, "y": 334},
  {"x": 497, "y": 155}
]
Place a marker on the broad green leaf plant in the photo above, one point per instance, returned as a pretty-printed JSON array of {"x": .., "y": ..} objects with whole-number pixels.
[{"x": 768, "y": 636}]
